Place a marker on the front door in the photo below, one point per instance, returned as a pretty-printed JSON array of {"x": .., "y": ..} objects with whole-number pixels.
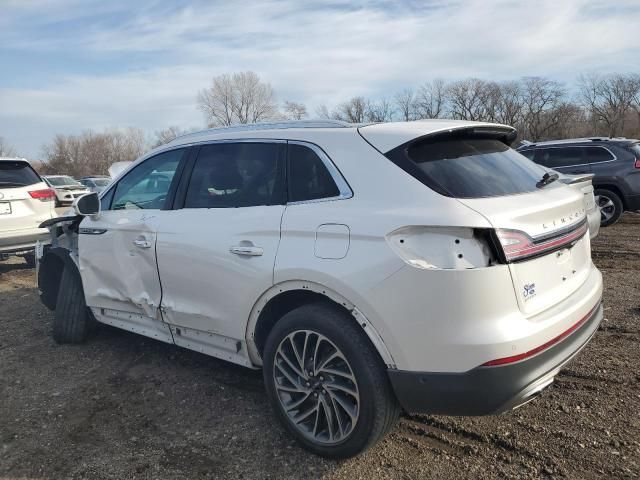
[
  {"x": 117, "y": 251},
  {"x": 217, "y": 249}
]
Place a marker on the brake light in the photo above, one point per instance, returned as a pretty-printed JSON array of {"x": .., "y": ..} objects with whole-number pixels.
[
  {"x": 517, "y": 245},
  {"x": 44, "y": 195}
]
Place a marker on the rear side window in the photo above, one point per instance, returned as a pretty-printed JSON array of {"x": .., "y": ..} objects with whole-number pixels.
[
  {"x": 560, "y": 157},
  {"x": 230, "y": 175},
  {"x": 309, "y": 178},
  {"x": 597, "y": 154},
  {"x": 530, "y": 154},
  {"x": 17, "y": 174},
  {"x": 474, "y": 168}
]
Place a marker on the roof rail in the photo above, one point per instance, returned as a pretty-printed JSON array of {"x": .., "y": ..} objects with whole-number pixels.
[{"x": 273, "y": 126}]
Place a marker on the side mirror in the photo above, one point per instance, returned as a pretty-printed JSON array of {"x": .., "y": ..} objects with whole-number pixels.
[{"x": 88, "y": 205}]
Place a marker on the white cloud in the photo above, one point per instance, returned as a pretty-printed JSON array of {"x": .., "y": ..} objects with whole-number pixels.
[{"x": 315, "y": 53}]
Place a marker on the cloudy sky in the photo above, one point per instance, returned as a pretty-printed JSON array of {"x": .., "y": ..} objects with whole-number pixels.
[{"x": 70, "y": 65}]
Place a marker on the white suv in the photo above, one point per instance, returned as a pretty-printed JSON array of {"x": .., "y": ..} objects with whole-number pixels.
[
  {"x": 422, "y": 265},
  {"x": 25, "y": 202}
]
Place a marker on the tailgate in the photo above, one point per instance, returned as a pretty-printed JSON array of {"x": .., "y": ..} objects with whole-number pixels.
[
  {"x": 18, "y": 211},
  {"x": 546, "y": 214}
]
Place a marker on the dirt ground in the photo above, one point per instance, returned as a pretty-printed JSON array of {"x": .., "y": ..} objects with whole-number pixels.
[{"x": 124, "y": 406}]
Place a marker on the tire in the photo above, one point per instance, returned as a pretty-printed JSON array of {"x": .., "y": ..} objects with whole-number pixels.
[
  {"x": 30, "y": 258},
  {"x": 71, "y": 323},
  {"x": 611, "y": 207},
  {"x": 374, "y": 405}
]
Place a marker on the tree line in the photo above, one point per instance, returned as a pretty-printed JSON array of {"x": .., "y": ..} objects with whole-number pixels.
[{"x": 539, "y": 108}]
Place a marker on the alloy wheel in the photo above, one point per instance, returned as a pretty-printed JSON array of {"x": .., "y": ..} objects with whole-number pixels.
[
  {"x": 316, "y": 387},
  {"x": 607, "y": 208}
]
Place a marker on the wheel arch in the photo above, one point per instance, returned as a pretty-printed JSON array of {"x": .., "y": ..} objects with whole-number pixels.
[{"x": 286, "y": 296}]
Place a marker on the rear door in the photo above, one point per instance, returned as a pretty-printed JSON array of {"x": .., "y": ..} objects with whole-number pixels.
[{"x": 217, "y": 248}]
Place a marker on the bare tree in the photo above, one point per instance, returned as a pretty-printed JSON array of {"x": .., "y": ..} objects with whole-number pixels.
[
  {"x": 354, "y": 110},
  {"x": 431, "y": 99},
  {"x": 509, "y": 104},
  {"x": 405, "y": 101},
  {"x": 294, "y": 110},
  {"x": 542, "y": 99},
  {"x": 91, "y": 153},
  {"x": 237, "y": 98},
  {"x": 470, "y": 99},
  {"x": 167, "y": 135},
  {"x": 323, "y": 112},
  {"x": 6, "y": 150},
  {"x": 379, "y": 111},
  {"x": 609, "y": 98}
]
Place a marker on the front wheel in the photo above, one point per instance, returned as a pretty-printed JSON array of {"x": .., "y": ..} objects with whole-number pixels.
[
  {"x": 611, "y": 206},
  {"x": 326, "y": 382},
  {"x": 72, "y": 322}
]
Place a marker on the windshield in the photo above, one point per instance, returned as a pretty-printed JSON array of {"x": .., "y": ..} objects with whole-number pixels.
[
  {"x": 62, "y": 181},
  {"x": 474, "y": 167},
  {"x": 101, "y": 182},
  {"x": 17, "y": 174}
]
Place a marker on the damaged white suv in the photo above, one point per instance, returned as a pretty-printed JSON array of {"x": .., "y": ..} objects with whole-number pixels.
[{"x": 422, "y": 265}]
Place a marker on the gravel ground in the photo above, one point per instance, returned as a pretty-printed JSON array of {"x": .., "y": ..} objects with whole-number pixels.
[{"x": 123, "y": 406}]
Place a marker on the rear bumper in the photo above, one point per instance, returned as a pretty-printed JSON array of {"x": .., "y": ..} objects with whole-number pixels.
[
  {"x": 632, "y": 202},
  {"x": 22, "y": 241},
  {"x": 490, "y": 390}
]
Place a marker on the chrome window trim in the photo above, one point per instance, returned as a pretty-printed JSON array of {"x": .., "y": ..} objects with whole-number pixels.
[
  {"x": 579, "y": 146},
  {"x": 336, "y": 175}
]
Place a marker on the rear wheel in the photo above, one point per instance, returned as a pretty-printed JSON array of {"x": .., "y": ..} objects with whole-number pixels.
[
  {"x": 610, "y": 204},
  {"x": 326, "y": 382},
  {"x": 71, "y": 323}
]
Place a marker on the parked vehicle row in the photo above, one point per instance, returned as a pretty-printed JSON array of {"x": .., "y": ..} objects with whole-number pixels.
[
  {"x": 424, "y": 266},
  {"x": 614, "y": 162},
  {"x": 27, "y": 199}
]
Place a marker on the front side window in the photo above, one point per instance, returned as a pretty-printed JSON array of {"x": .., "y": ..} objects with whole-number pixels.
[
  {"x": 474, "y": 167},
  {"x": 597, "y": 155},
  {"x": 147, "y": 185},
  {"x": 309, "y": 178},
  {"x": 230, "y": 175},
  {"x": 561, "y": 157}
]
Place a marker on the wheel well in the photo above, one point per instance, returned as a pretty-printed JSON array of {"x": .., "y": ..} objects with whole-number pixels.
[
  {"x": 614, "y": 189},
  {"x": 282, "y": 304}
]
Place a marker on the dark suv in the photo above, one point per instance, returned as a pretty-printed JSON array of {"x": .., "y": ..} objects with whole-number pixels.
[{"x": 615, "y": 163}]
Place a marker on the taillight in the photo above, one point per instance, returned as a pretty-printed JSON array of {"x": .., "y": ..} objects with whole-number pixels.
[
  {"x": 517, "y": 245},
  {"x": 637, "y": 164},
  {"x": 44, "y": 195}
]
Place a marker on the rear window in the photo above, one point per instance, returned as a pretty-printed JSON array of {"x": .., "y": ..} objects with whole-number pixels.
[
  {"x": 17, "y": 174},
  {"x": 474, "y": 168}
]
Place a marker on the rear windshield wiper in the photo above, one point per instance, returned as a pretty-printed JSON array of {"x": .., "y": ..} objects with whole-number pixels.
[{"x": 546, "y": 179}]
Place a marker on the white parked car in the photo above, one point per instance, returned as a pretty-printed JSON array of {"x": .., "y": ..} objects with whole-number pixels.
[
  {"x": 67, "y": 189},
  {"x": 422, "y": 265},
  {"x": 25, "y": 202},
  {"x": 95, "y": 184}
]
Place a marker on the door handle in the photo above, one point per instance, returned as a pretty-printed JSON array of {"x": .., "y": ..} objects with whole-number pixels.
[
  {"x": 142, "y": 243},
  {"x": 247, "y": 250}
]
